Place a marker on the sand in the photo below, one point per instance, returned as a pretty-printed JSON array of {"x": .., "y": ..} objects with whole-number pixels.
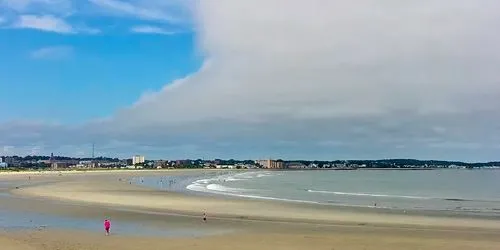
[
  {"x": 305, "y": 240},
  {"x": 249, "y": 224}
]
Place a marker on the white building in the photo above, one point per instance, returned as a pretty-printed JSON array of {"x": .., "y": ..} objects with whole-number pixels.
[
  {"x": 138, "y": 159},
  {"x": 225, "y": 166}
]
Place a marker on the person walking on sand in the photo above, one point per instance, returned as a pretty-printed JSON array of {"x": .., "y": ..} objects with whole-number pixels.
[{"x": 107, "y": 226}]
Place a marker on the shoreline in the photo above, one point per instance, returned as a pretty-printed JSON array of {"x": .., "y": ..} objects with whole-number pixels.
[
  {"x": 102, "y": 191},
  {"x": 107, "y": 170},
  {"x": 202, "y": 174}
]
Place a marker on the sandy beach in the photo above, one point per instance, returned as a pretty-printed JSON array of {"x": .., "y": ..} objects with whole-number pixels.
[{"x": 235, "y": 223}]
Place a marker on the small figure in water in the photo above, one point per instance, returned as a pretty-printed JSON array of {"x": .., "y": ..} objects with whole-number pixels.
[
  {"x": 107, "y": 226},
  {"x": 375, "y": 205},
  {"x": 204, "y": 217}
]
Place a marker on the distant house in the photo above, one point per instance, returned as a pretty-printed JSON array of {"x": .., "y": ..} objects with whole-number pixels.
[
  {"x": 296, "y": 165},
  {"x": 159, "y": 164},
  {"x": 225, "y": 166},
  {"x": 313, "y": 165},
  {"x": 3, "y": 165},
  {"x": 59, "y": 165}
]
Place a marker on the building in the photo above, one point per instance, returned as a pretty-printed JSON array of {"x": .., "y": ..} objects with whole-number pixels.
[
  {"x": 138, "y": 159},
  {"x": 271, "y": 164},
  {"x": 159, "y": 164},
  {"x": 9, "y": 160},
  {"x": 225, "y": 166},
  {"x": 179, "y": 163},
  {"x": 87, "y": 164},
  {"x": 60, "y": 165},
  {"x": 296, "y": 165},
  {"x": 3, "y": 165}
]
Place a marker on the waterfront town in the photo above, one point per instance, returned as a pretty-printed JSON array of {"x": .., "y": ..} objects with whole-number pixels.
[{"x": 141, "y": 162}]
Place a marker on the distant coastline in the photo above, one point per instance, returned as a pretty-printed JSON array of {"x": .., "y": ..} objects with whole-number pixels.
[
  {"x": 119, "y": 170},
  {"x": 401, "y": 169},
  {"x": 86, "y": 196},
  {"x": 351, "y": 169},
  {"x": 15, "y": 163}
]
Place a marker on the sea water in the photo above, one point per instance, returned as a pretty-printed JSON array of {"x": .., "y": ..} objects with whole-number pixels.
[{"x": 475, "y": 191}]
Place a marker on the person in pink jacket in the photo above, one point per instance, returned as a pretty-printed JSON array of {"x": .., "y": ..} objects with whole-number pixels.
[{"x": 107, "y": 226}]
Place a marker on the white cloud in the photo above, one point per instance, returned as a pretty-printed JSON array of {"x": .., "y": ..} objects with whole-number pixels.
[
  {"x": 333, "y": 79},
  {"x": 339, "y": 59},
  {"x": 7, "y": 149},
  {"x": 175, "y": 13},
  {"x": 52, "y": 52},
  {"x": 88, "y": 30},
  {"x": 140, "y": 9},
  {"x": 45, "y": 23},
  {"x": 147, "y": 29},
  {"x": 51, "y": 23},
  {"x": 323, "y": 71},
  {"x": 60, "y": 7},
  {"x": 18, "y": 5},
  {"x": 453, "y": 145}
]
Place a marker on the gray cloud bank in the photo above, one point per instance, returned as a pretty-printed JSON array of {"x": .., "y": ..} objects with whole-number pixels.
[{"x": 316, "y": 79}]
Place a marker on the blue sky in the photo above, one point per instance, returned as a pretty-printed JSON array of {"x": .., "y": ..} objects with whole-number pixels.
[
  {"x": 254, "y": 79},
  {"x": 84, "y": 76}
]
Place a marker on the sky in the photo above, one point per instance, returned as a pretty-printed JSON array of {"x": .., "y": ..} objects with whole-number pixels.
[{"x": 249, "y": 79}]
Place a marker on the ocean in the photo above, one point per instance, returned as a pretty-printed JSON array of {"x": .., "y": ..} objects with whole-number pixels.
[{"x": 472, "y": 191}]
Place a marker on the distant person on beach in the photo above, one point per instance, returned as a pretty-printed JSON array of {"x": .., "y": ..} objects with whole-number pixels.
[
  {"x": 107, "y": 226},
  {"x": 204, "y": 217}
]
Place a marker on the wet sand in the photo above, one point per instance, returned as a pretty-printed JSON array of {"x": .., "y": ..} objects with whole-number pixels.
[{"x": 232, "y": 223}]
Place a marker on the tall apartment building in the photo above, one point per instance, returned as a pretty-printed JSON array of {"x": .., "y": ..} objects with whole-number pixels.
[
  {"x": 271, "y": 164},
  {"x": 138, "y": 159}
]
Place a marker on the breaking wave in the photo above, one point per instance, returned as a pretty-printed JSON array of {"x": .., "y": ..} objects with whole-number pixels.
[{"x": 370, "y": 195}]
